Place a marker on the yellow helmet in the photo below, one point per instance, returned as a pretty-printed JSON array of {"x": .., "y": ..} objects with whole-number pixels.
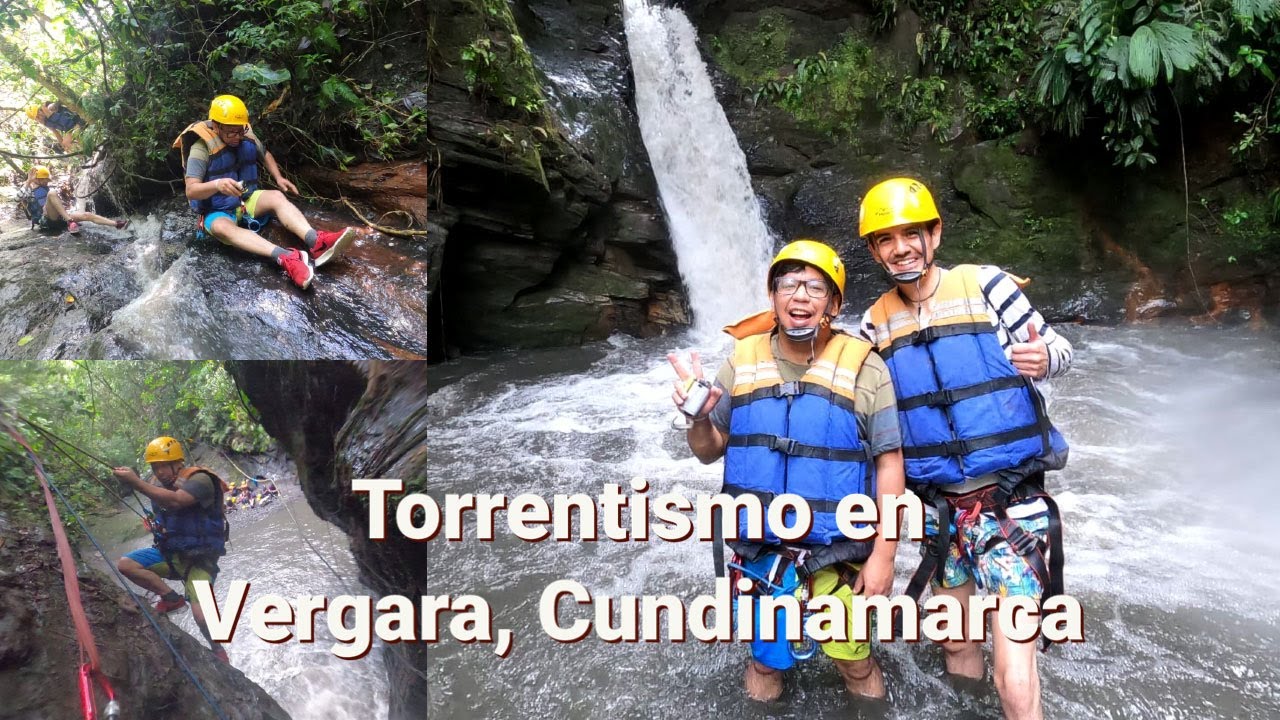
[
  {"x": 900, "y": 201},
  {"x": 228, "y": 110},
  {"x": 812, "y": 253},
  {"x": 33, "y": 111},
  {"x": 42, "y": 172},
  {"x": 163, "y": 449}
]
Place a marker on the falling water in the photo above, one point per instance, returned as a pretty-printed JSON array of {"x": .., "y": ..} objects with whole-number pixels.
[{"x": 716, "y": 226}]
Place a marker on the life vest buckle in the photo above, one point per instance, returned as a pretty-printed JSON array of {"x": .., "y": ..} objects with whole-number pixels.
[
  {"x": 957, "y": 447},
  {"x": 940, "y": 398},
  {"x": 787, "y": 389},
  {"x": 786, "y": 446},
  {"x": 924, "y": 335}
]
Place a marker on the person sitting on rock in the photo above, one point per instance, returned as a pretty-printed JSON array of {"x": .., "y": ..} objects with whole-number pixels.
[
  {"x": 190, "y": 530},
  {"x": 47, "y": 213},
  {"x": 221, "y": 158},
  {"x": 60, "y": 121}
]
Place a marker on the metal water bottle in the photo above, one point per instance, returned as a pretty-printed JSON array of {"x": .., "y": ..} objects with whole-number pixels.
[
  {"x": 696, "y": 392},
  {"x": 112, "y": 711}
]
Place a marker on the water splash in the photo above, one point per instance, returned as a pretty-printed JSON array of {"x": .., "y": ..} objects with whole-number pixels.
[{"x": 722, "y": 244}]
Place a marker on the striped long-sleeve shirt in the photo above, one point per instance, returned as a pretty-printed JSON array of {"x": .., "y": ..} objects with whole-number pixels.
[{"x": 1012, "y": 315}]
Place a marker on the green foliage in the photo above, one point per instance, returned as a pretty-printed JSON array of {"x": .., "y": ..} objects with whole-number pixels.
[
  {"x": 1111, "y": 57},
  {"x": 112, "y": 409},
  {"x": 753, "y": 56},
  {"x": 146, "y": 69},
  {"x": 830, "y": 91},
  {"x": 498, "y": 63}
]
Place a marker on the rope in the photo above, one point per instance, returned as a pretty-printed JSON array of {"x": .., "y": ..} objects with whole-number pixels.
[
  {"x": 54, "y": 441},
  {"x": 142, "y": 605}
]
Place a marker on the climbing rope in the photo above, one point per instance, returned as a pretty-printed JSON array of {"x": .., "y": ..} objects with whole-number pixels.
[
  {"x": 56, "y": 443},
  {"x": 91, "y": 670}
]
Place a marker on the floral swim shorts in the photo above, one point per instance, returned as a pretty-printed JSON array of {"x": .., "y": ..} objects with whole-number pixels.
[{"x": 999, "y": 570}]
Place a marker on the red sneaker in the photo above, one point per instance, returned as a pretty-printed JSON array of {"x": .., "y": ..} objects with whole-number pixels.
[
  {"x": 73, "y": 228},
  {"x": 167, "y": 606},
  {"x": 330, "y": 245},
  {"x": 298, "y": 267}
]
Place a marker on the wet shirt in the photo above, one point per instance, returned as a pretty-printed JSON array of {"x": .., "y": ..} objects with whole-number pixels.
[
  {"x": 200, "y": 487},
  {"x": 875, "y": 406}
]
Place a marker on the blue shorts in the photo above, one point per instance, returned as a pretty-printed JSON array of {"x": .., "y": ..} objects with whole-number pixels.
[
  {"x": 177, "y": 567},
  {"x": 1000, "y": 570},
  {"x": 778, "y": 654},
  {"x": 244, "y": 216}
]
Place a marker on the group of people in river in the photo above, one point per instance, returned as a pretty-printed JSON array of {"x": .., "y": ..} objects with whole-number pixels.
[
  {"x": 250, "y": 493},
  {"x": 935, "y": 391},
  {"x": 220, "y": 156}
]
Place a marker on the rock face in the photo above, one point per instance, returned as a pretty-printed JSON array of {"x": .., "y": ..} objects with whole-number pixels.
[
  {"x": 39, "y": 668},
  {"x": 157, "y": 291},
  {"x": 549, "y": 220},
  {"x": 341, "y": 421},
  {"x": 1040, "y": 208}
]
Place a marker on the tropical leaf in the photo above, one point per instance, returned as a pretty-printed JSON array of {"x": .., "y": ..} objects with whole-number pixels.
[
  {"x": 1144, "y": 55},
  {"x": 259, "y": 74},
  {"x": 1177, "y": 44}
]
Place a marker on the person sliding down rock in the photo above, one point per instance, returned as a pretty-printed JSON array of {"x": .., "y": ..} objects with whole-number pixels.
[
  {"x": 46, "y": 210},
  {"x": 221, "y": 157},
  {"x": 190, "y": 530}
]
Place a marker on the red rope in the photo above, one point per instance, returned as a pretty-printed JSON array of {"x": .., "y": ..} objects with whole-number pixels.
[{"x": 84, "y": 634}]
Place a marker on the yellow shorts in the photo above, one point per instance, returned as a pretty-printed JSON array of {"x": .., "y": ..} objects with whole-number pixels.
[{"x": 827, "y": 582}]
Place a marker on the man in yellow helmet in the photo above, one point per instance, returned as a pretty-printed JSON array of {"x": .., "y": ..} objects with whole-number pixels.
[
  {"x": 47, "y": 212},
  {"x": 805, "y": 408},
  {"x": 59, "y": 120},
  {"x": 964, "y": 347},
  {"x": 190, "y": 530},
  {"x": 221, "y": 157}
]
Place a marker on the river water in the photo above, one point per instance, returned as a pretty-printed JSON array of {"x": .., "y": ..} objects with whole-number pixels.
[
  {"x": 267, "y": 550},
  {"x": 1168, "y": 542}
]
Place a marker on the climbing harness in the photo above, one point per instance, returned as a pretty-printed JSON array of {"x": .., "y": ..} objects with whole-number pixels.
[{"x": 955, "y": 512}]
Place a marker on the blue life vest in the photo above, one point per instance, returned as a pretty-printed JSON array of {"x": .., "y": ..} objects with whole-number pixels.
[
  {"x": 63, "y": 120},
  {"x": 963, "y": 408},
  {"x": 35, "y": 203},
  {"x": 238, "y": 163},
  {"x": 798, "y": 437},
  {"x": 194, "y": 530}
]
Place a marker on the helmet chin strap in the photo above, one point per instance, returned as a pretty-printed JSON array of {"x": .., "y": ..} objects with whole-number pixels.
[
  {"x": 913, "y": 276},
  {"x": 810, "y": 334}
]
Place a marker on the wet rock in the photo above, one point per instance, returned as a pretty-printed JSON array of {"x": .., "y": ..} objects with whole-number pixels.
[
  {"x": 529, "y": 199},
  {"x": 391, "y": 187},
  {"x": 156, "y": 291},
  {"x": 40, "y": 660}
]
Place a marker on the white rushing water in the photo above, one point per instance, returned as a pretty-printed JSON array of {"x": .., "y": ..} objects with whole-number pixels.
[
  {"x": 1167, "y": 545},
  {"x": 268, "y": 552},
  {"x": 721, "y": 241}
]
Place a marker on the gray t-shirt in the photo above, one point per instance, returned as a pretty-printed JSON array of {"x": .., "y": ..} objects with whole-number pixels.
[
  {"x": 875, "y": 404},
  {"x": 200, "y": 487},
  {"x": 198, "y": 158}
]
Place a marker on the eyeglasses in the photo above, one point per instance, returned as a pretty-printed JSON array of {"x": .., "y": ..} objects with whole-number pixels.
[
  {"x": 787, "y": 286},
  {"x": 232, "y": 130}
]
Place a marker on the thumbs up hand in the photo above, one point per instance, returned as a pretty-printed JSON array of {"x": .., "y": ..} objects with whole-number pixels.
[{"x": 1031, "y": 358}]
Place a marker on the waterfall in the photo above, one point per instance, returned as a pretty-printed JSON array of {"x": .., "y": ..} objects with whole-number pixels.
[{"x": 720, "y": 239}]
